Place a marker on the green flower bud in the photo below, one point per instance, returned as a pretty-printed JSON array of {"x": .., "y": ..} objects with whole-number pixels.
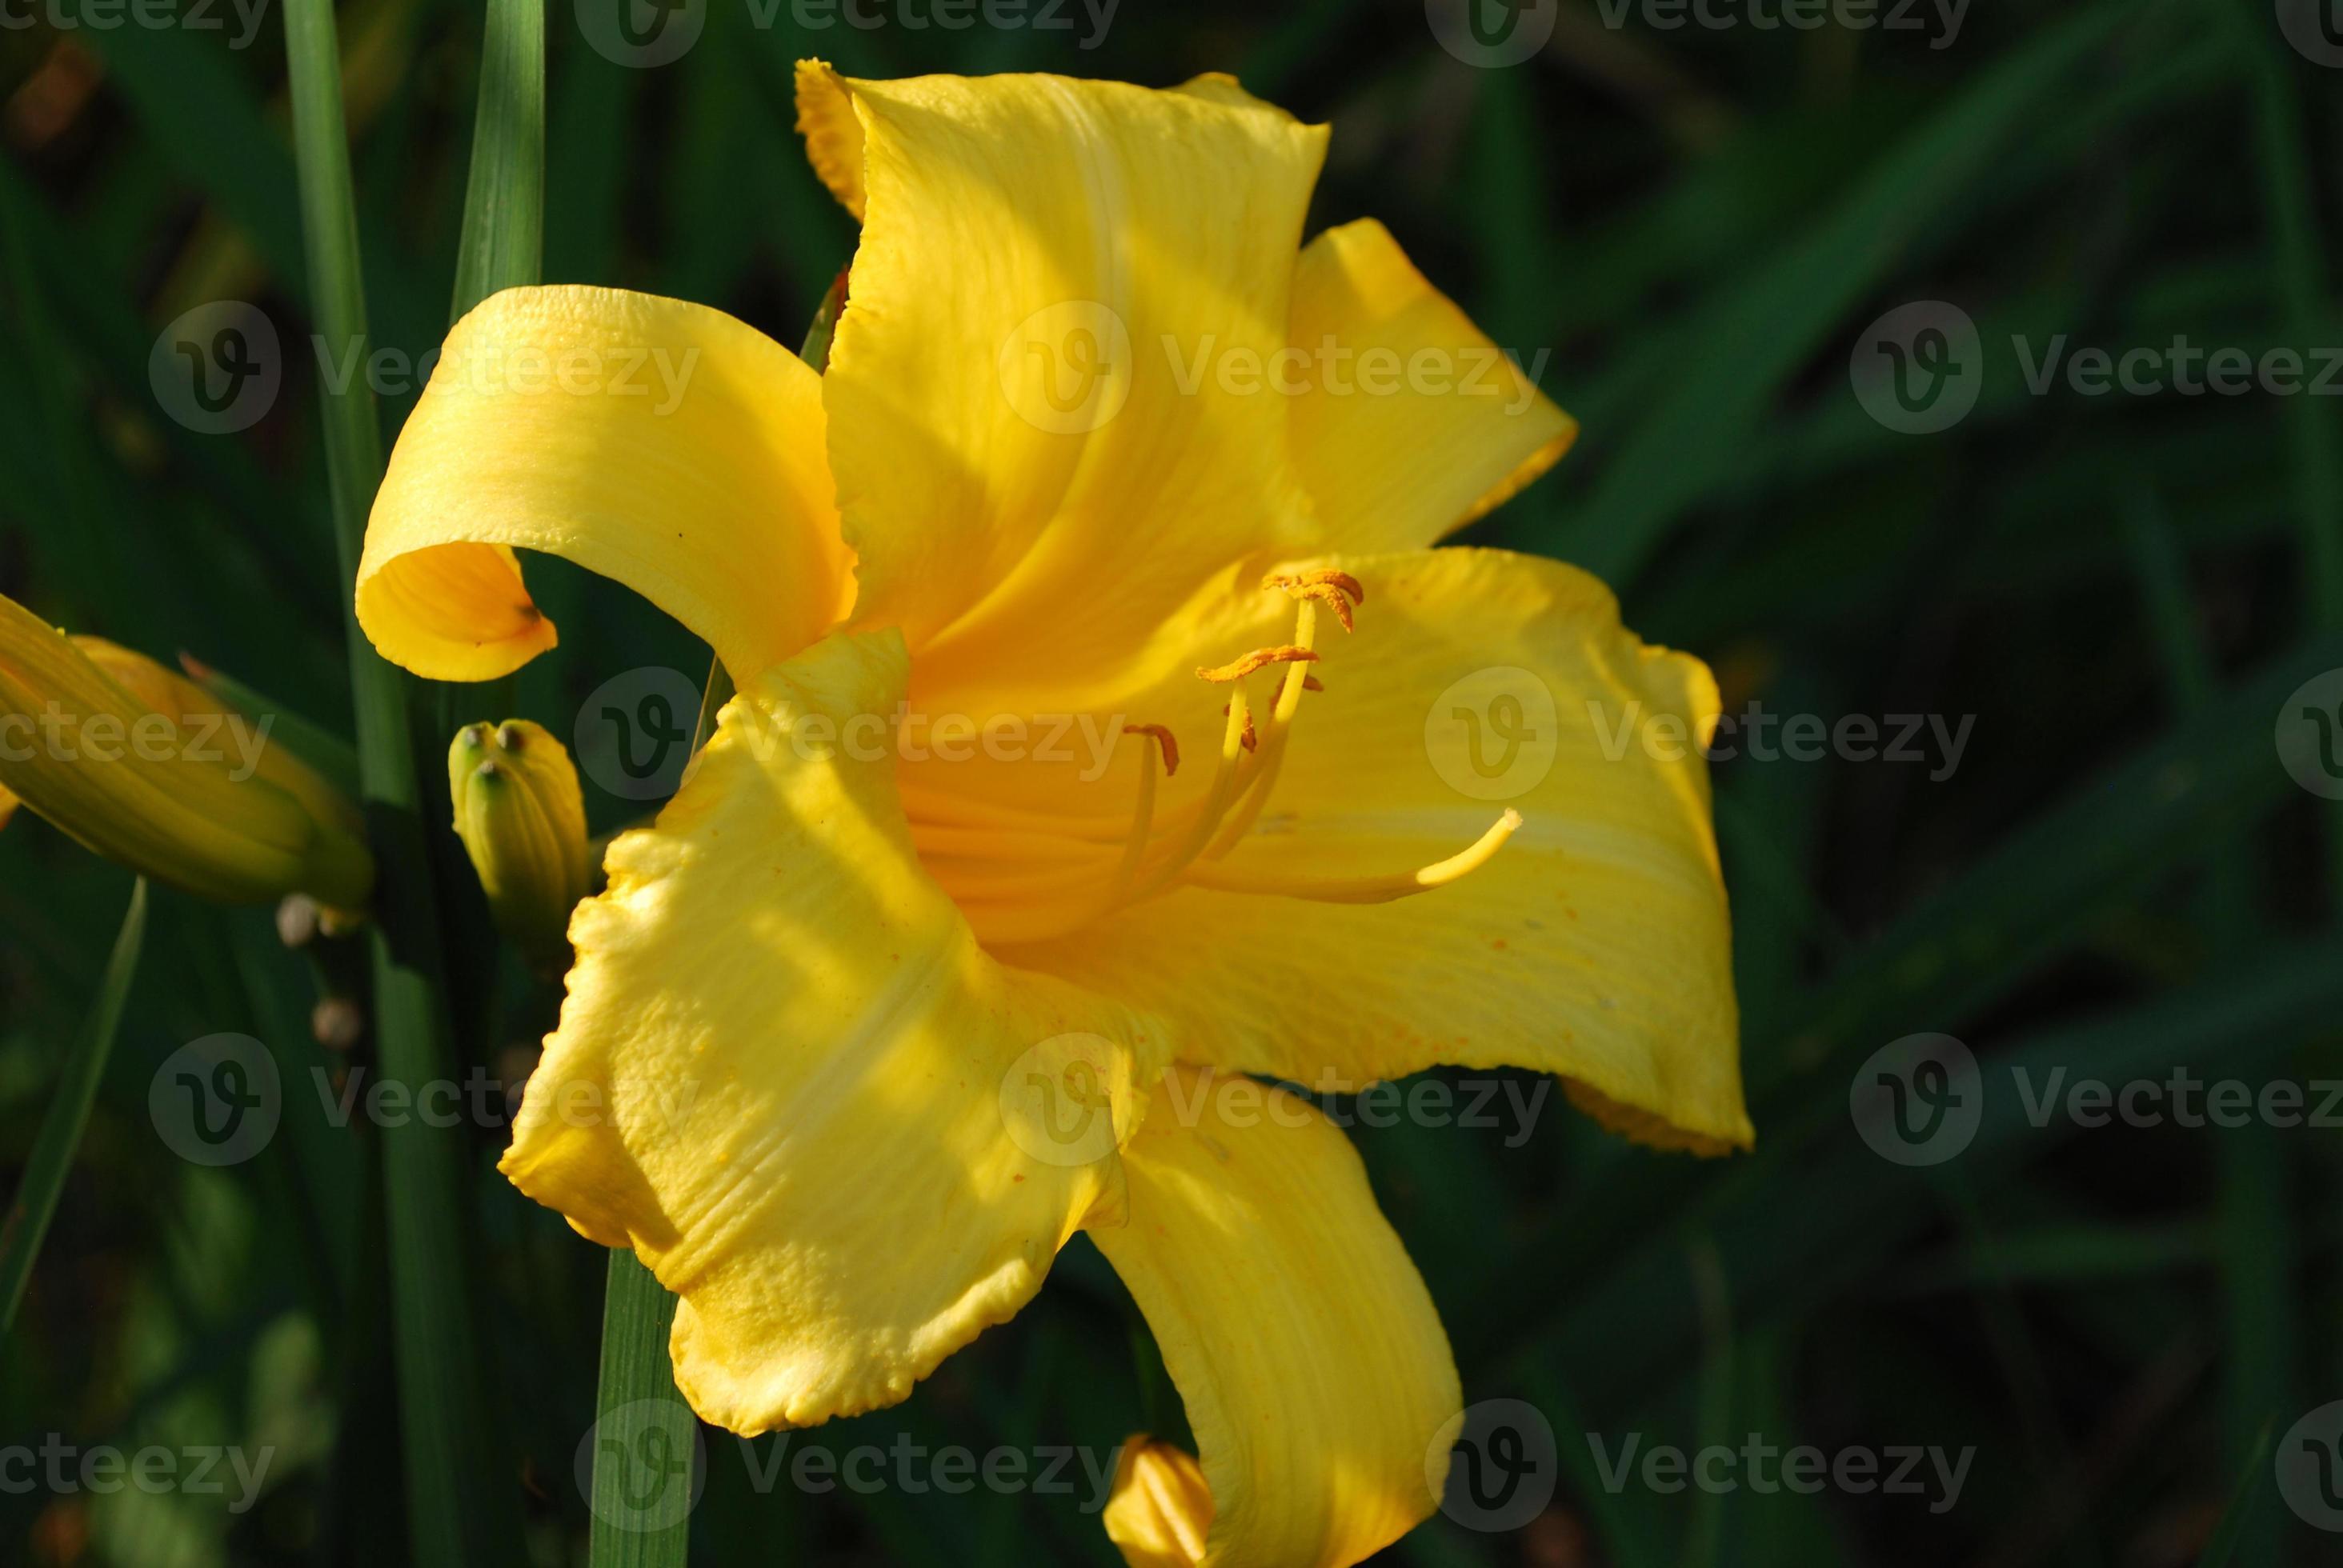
[
  {"x": 522, "y": 818},
  {"x": 144, "y": 767}
]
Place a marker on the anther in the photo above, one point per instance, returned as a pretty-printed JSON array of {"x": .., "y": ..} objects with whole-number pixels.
[
  {"x": 1164, "y": 737},
  {"x": 1331, "y": 597},
  {"x": 1343, "y": 581},
  {"x": 1259, "y": 659}
]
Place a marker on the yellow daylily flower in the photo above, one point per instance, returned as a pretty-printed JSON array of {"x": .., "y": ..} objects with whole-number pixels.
[
  {"x": 1106, "y": 730},
  {"x": 143, "y": 766}
]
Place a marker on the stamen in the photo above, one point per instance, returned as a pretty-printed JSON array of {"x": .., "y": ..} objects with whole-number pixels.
[
  {"x": 1364, "y": 890},
  {"x": 1336, "y": 591},
  {"x": 1019, "y": 888},
  {"x": 1259, "y": 659},
  {"x": 1217, "y": 801},
  {"x": 1281, "y": 720},
  {"x": 1142, "y": 820},
  {"x": 1164, "y": 737},
  {"x": 1344, "y": 581}
]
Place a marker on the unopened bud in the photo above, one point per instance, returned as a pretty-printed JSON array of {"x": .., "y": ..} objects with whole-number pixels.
[
  {"x": 522, "y": 817},
  {"x": 144, "y": 767}
]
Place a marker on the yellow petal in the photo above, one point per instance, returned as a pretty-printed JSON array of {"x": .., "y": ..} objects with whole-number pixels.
[
  {"x": 784, "y": 1070},
  {"x": 659, "y": 443},
  {"x": 8, "y": 804},
  {"x": 1593, "y": 943},
  {"x": 1032, "y": 442},
  {"x": 1311, "y": 1363},
  {"x": 1413, "y": 423},
  {"x": 187, "y": 804}
]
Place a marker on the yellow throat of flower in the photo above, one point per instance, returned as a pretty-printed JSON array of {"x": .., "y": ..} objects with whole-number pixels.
[{"x": 1021, "y": 876}]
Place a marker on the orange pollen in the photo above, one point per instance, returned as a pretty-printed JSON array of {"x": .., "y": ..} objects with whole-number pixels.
[
  {"x": 1330, "y": 597},
  {"x": 1251, "y": 739},
  {"x": 1259, "y": 659},
  {"x": 1312, "y": 683},
  {"x": 1164, "y": 739},
  {"x": 1294, "y": 582}
]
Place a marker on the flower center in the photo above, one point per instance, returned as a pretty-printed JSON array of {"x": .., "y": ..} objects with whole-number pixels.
[{"x": 1023, "y": 876}]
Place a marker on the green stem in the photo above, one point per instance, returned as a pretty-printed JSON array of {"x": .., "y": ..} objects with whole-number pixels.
[{"x": 450, "y": 1461}]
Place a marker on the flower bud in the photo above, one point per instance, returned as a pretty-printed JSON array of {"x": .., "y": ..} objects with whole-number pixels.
[
  {"x": 522, "y": 818},
  {"x": 144, "y": 767}
]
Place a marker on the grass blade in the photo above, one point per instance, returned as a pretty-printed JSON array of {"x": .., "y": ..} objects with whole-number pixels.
[
  {"x": 637, "y": 1404},
  {"x": 503, "y": 241},
  {"x": 68, "y": 1113},
  {"x": 444, "y": 1422}
]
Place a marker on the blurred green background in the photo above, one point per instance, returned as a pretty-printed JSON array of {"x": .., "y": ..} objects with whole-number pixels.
[{"x": 1694, "y": 224}]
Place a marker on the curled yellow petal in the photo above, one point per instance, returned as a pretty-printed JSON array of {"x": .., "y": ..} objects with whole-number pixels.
[
  {"x": 183, "y": 792},
  {"x": 1314, "y": 1367},
  {"x": 658, "y": 442}
]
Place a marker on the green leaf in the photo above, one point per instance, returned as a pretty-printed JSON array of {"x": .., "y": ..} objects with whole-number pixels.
[
  {"x": 504, "y": 203},
  {"x": 1751, "y": 337},
  {"x": 637, "y": 1407},
  {"x": 69, "y": 1114}
]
